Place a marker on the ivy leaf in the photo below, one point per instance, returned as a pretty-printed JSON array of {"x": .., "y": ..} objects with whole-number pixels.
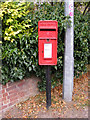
[
  {"x": 30, "y": 68},
  {"x": 56, "y": 67},
  {"x": 9, "y": 20}
]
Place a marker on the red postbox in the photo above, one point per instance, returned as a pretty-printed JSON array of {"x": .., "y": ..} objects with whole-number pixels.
[{"x": 47, "y": 42}]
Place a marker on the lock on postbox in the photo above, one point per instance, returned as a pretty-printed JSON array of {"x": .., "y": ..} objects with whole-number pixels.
[{"x": 47, "y": 42}]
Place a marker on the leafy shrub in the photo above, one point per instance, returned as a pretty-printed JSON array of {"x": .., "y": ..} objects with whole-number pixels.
[
  {"x": 17, "y": 29},
  {"x": 20, "y": 41},
  {"x": 81, "y": 40}
]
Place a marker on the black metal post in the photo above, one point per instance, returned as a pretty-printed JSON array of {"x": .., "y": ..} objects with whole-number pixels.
[{"x": 48, "y": 86}]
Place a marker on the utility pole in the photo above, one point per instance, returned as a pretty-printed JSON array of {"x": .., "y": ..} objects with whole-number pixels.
[{"x": 69, "y": 51}]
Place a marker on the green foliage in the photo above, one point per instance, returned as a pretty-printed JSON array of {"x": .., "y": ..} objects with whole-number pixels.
[
  {"x": 16, "y": 32},
  {"x": 81, "y": 40},
  {"x": 20, "y": 41}
]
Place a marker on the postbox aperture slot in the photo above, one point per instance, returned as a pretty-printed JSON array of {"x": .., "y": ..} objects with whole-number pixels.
[{"x": 47, "y": 29}]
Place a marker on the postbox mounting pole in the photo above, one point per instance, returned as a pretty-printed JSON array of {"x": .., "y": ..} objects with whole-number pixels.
[{"x": 48, "y": 86}]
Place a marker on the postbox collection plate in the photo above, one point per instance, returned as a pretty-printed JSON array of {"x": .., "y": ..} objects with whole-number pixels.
[
  {"x": 48, "y": 50},
  {"x": 47, "y": 42}
]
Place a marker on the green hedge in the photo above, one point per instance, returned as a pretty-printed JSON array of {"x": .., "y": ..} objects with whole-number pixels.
[
  {"x": 81, "y": 42},
  {"x": 20, "y": 41}
]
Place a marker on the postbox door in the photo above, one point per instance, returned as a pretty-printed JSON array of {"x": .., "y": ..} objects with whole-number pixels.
[{"x": 48, "y": 52}]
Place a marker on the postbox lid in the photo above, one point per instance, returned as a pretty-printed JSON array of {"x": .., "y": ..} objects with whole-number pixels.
[
  {"x": 47, "y": 24},
  {"x": 47, "y": 29},
  {"x": 48, "y": 20}
]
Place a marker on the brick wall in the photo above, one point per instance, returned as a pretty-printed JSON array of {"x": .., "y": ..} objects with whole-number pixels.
[{"x": 12, "y": 93}]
